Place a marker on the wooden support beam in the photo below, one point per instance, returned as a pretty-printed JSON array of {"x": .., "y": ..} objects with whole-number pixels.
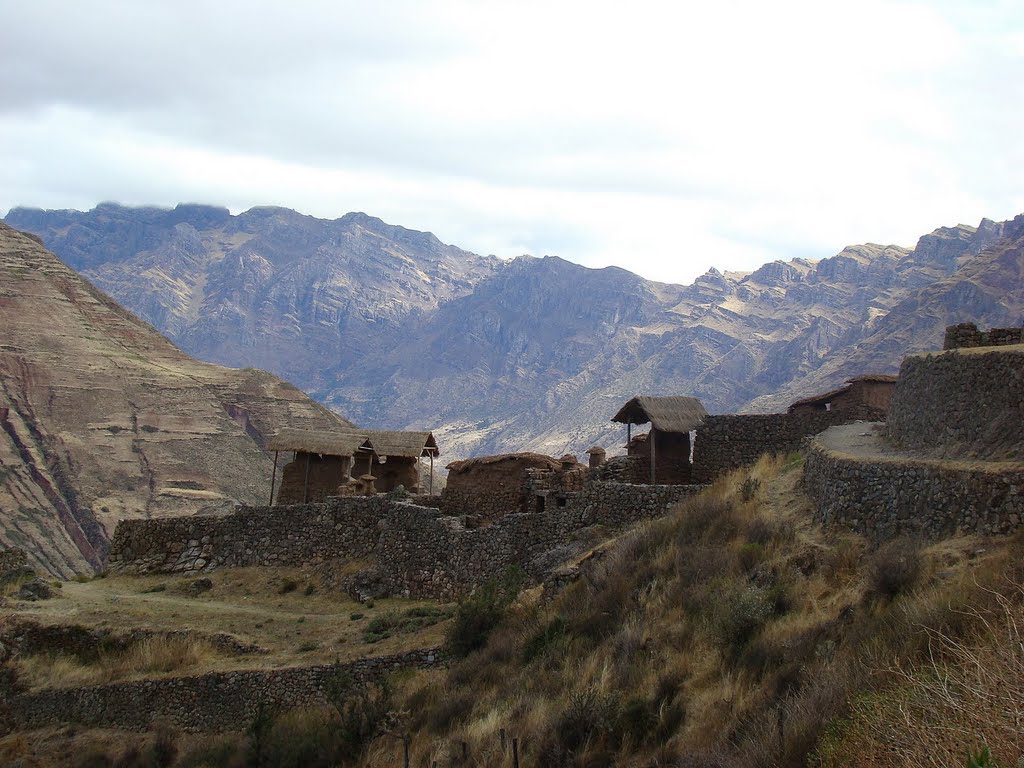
[
  {"x": 651, "y": 438},
  {"x": 305, "y": 482},
  {"x": 431, "y": 474},
  {"x": 273, "y": 481}
]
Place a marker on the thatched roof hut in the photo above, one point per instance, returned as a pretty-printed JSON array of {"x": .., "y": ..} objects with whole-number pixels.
[
  {"x": 666, "y": 414},
  {"x": 408, "y": 444},
  {"x": 323, "y": 443}
]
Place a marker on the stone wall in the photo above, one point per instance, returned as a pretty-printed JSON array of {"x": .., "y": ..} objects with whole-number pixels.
[
  {"x": 960, "y": 404},
  {"x": 219, "y": 701},
  {"x": 488, "y": 487},
  {"x": 416, "y": 552},
  {"x": 882, "y": 499},
  {"x": 725, "y": 443},
  {"x": 968, "y": 335}
]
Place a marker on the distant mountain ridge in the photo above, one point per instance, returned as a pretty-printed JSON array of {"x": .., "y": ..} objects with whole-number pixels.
[
  {"x": 102, "y": 418},
  {"x": 396, "y": 329}
]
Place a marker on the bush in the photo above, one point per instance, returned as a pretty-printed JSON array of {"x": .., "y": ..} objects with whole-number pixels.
[
  {"x": 893, "y": 569},
  {"x": 549, "y": 635},
  {"x": 749, "y": 488},
  {"x": 588, "y": 712},
  {"x": 735, "y": 615},
  {"x": 480, "y": 613},
  {"x": 364, "y": 712},
  {"x": 288, "y": 585},
  {"x": 750, "y": 555}
]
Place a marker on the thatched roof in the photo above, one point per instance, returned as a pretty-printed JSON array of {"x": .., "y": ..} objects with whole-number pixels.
[
  {"x": 412, "y": 444},
  {"x": 666, "y": 414},
  {"x": 535, "y": 460},
  {"x": 315, "y": 441},
  {"x": 881, "y": 378}
]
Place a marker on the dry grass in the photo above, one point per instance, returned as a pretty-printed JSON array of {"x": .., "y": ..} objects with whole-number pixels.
[
  {"x": 148, "y": 658},
  {"x": 734, "y": 631},
  {"x": 294, "y": 627}
]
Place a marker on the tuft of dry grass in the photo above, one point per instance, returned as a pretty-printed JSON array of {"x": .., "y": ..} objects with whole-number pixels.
[{"x": 151, "y": 657}]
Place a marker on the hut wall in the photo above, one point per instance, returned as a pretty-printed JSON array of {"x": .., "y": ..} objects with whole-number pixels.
[
  {"x": 396, "y": 471},
  {"x": 326, "y": 473},
  {"x": 867, "y": 395},
  {"x": 671, "y": 458},
  {"x": 487, "y": 489}
]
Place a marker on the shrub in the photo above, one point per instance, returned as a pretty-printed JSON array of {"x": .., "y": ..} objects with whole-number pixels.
[
  {"x": 288, "y": 585},
  {"x": 480, "y": 613},
  {"x": 893, "y": 569},
  {"x": 364, "y": 712},
  {"x": 750, "y": 555},
  {"x": 587, "y": 712},
  {"x": 309, "y": 590},
  {"x": 547, "y": 636},
  {"x": 735, "y": 614},
  {"x": 749, "y": 488}
]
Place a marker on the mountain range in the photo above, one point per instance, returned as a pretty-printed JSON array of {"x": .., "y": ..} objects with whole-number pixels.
[
  {"x": 102, "y": 418},
  {"x": 395, "y": 329}
]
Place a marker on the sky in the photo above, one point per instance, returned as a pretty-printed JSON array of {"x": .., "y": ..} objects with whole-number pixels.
[{"x": 663, "y": 137}]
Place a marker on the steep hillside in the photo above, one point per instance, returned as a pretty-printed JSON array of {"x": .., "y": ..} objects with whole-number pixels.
[
  {"x": 393, "y": 328},
  {"x": 102, "y": 418}
]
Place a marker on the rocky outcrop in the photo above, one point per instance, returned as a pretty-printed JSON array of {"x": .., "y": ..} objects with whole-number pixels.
[{"x": 101, "y": 418}]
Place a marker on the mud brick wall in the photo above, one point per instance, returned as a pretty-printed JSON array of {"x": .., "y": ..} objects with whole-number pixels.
[
  {"x": 960, "y": 404},
  {"x": 493, "y": 486},
  {"x": 901, "y": 497}
]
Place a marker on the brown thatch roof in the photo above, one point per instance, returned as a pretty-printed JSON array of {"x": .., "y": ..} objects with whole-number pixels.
[
  {"x": 412, "y": 444},
  {"x": 534, "y": 460},
  {"x": 666, "y": 414},
  {"x": 314, "y": 441},
  {"x": 882, "y": 378}
]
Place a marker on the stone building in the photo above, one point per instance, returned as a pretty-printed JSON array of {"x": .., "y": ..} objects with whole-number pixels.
[
  {"x": 667, "y": 447},
  {"x": 489, "y": 487},
  {"x": 322, "y": 462},
  {"x": 867, "y": 397},
  {"x": 395, "y": 459}
]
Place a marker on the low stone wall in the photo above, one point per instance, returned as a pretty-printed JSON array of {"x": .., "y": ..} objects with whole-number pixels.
[
  {"x": 416, "y": 552},
  {"x": 219, "y": 701},
  {"x": 958, "y": 404},
  {"x": 882, "y": 499},
  {"x": 725, "y": 443},
  {"x": 967, "y": 335}
]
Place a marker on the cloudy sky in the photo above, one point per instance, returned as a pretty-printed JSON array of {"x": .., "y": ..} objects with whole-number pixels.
[{"x": 665, "y": 137}]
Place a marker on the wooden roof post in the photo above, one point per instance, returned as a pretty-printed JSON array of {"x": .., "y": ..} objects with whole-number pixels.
[
  {"x": 305, "y": 483},
  {"x": 431, "y": 474},
  {"x": 273, "y": 480},
  {"x": 652, "y": 440}
]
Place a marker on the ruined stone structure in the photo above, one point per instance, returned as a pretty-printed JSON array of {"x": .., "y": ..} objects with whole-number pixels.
[
  {"x": 882, "y": 497},
  {"x": 725, "y": 443},
  {"x": 950, "y": 458},
  {"x": 967, "y": 335},
  {"x": 961, "y": 403},
  {"x": 217, "y": 701},
  {"x": 667, "y": 446},
  {"x": 486, "y": 488},
  {"x": 12, "y": 559},
  {"x": 416, "y": 550},
  {"x": 348, "y": 464},
  {"x": 864, "y": 397}
]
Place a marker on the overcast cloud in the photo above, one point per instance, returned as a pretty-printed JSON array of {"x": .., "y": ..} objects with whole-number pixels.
[{"x": 665, "y": 137}]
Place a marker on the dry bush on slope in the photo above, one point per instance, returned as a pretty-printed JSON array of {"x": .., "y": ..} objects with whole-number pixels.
[{"x": 962, "y": 696}]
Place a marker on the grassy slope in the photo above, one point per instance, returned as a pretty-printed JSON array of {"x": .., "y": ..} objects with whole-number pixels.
[
  {"x": 733, "y": 633},
  {"x": 736, "y": 633}
]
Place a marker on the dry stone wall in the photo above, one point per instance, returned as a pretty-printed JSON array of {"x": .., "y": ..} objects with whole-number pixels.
[
  {"x": 725, "y": 443},
  {"x": 416, "y": 551},
  {"x": 882, "y": 499},
  {"x": 956, "y": 404},
  {"x": 220, "y": 701},
  {"x": 968, "y": 335}
]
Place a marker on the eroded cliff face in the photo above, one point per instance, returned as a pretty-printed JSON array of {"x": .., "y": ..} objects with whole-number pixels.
[
  {"x": 101, "y": 418},
  {"x": 397, "y": 330}
]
